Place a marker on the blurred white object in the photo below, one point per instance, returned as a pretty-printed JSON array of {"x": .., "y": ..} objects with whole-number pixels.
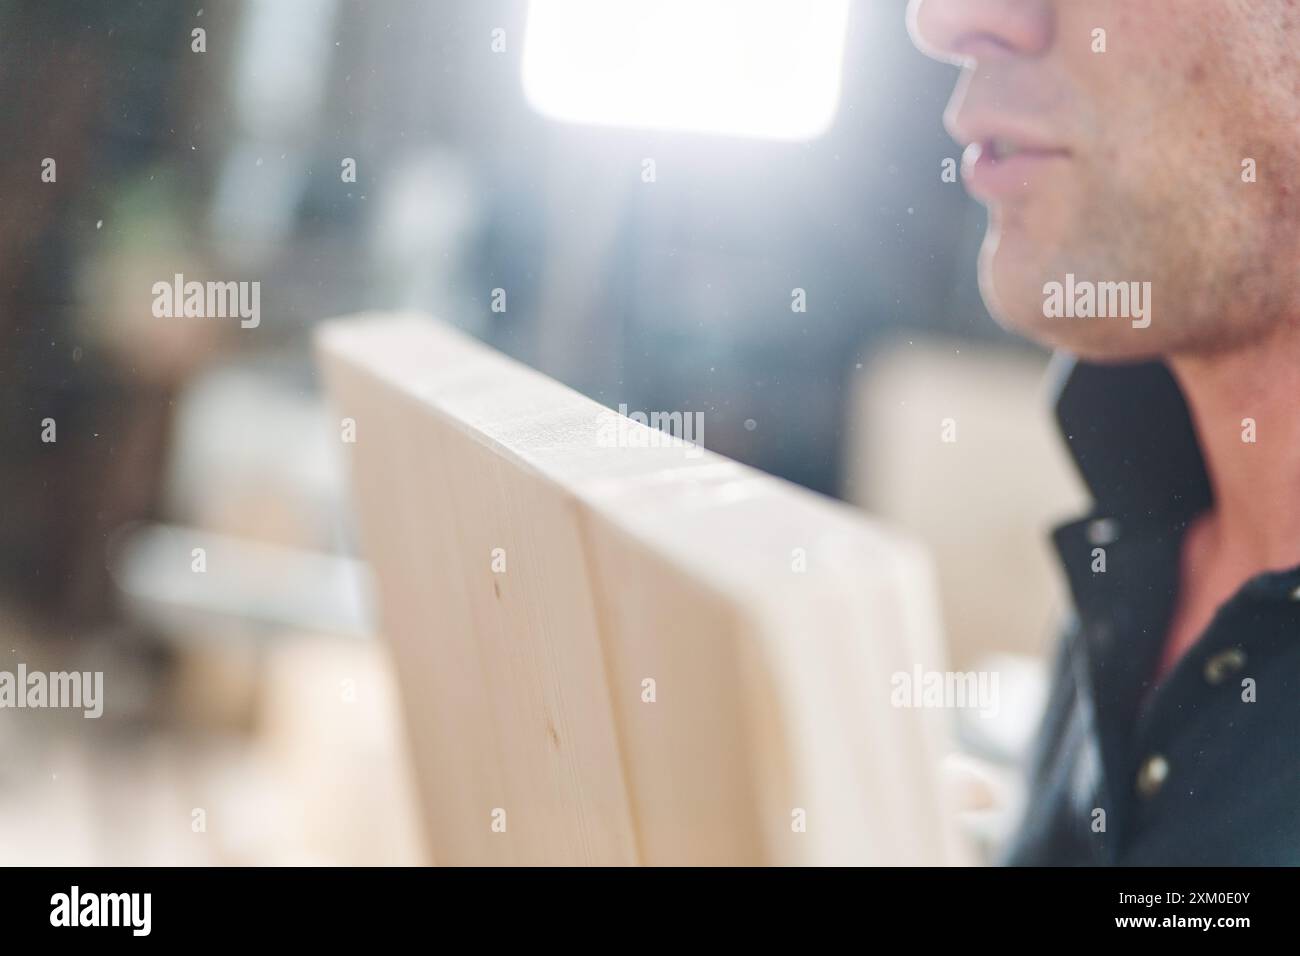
[
  {"x": 279, "y": 77},
  {"x": 985, "y": 501},
  {"x": 427, "y": 211},
  {"x": 243, "y": 581},
  {"x": 763, "y": 68},
  {"x": 987, "y": 800},
  {"x": 256, "y": 456}
]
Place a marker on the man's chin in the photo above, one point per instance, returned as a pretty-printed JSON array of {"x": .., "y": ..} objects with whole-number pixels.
[
  {"x": 1105, "y": 341},
  {"x": 1016, "y": 300}
]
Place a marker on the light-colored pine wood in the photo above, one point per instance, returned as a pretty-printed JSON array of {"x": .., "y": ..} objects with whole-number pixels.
[{"x": 523, "y": 690}]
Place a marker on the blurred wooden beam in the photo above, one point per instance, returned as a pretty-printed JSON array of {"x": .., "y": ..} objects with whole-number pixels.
[{"x": 768, "y": 619}]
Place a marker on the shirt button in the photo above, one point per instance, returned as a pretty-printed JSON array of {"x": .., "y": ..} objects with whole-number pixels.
[
  {"x": 1295, "y": 595},
  {"x": 1224, "y": 664},
  {"x": 1151, "y": 776},
  {"x": 1103, "y": 531}
]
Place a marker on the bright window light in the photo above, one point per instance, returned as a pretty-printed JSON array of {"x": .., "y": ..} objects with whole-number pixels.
[{"x": 764, "y": 68}]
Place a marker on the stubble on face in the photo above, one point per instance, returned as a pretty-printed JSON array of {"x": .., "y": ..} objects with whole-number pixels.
[{"x": 1159, "y": 128}]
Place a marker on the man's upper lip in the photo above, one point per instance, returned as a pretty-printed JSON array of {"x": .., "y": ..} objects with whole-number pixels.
[{"x": 986, "y": 129}]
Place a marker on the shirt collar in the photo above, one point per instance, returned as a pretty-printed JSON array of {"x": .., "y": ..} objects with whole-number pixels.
[{"x": 1130, "y": 433}]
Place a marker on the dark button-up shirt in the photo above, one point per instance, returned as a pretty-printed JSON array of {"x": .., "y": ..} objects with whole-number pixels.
[{"x": 1204, "y": 766}]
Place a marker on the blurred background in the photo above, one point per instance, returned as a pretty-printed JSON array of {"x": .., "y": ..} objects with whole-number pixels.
[{"x": 472, "y": 160}]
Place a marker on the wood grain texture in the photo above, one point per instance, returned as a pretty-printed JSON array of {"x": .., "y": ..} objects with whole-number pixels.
[{"x": 523, "y": 690}]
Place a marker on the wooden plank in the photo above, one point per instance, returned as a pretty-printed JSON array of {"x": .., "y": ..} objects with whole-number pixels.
[{"x": 524, "y": 691}]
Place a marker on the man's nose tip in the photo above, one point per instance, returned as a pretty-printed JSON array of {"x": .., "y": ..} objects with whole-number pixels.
[
  {"x": 958, "y": 31},
  {"x": 934, "y": 30}
]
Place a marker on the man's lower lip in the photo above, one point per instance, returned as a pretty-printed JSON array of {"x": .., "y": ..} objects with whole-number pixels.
[{"x": 990, "y": 178}]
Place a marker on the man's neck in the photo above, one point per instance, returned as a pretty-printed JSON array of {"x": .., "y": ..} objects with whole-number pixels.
[
  {"x": 1254, "y": 525},
  {"x": 1250, "y": 392}
]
